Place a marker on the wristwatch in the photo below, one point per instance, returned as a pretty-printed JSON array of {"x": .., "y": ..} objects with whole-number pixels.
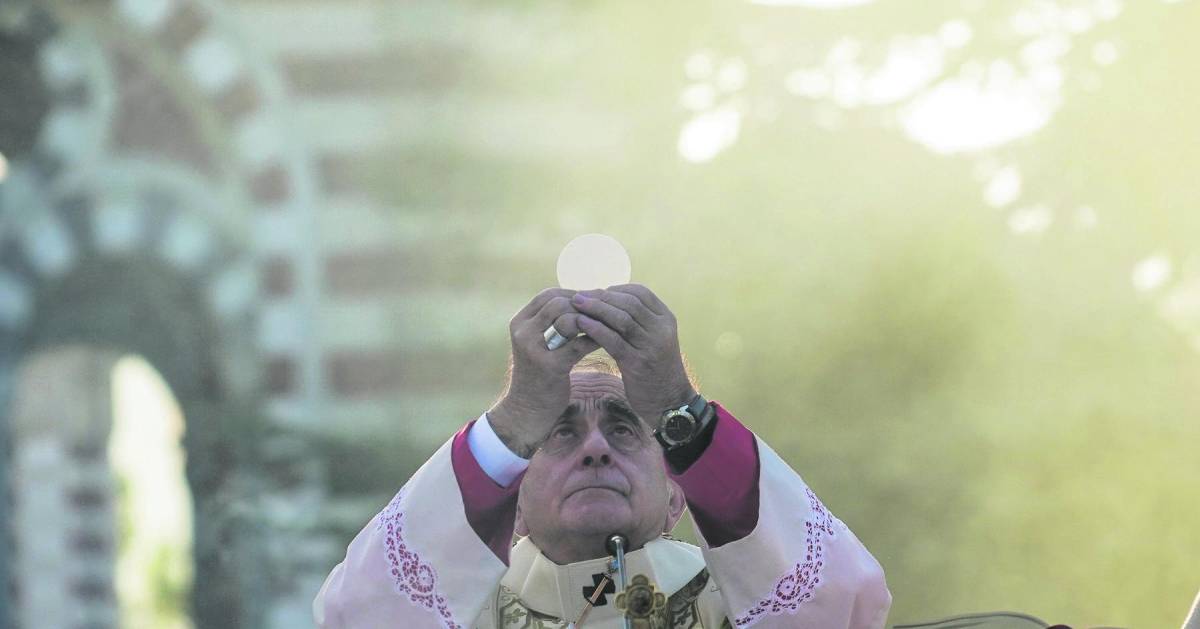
[{"x": 678, "y": 426}]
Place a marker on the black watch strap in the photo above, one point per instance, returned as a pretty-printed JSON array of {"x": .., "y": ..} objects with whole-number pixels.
[{"x": 700, "y": 409}]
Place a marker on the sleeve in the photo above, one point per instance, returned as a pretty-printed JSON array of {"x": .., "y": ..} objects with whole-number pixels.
[
  {"x": 433, "y": 557},
  {"x": 1193, "y": 617},
  {"x": 495, "y": 459},
  {"x": 779, "y": 556}
]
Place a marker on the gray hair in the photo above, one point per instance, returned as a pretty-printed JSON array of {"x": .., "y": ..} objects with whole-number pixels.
[
  {"x": 597, "y": 362},
  {"x": 601, "y": 362}
]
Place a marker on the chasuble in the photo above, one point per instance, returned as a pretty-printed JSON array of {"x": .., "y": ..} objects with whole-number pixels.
[{"x": 440, "y": 555}]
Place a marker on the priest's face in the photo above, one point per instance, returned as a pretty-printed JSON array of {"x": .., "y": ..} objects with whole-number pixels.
[{"x": 600, "y": 471}]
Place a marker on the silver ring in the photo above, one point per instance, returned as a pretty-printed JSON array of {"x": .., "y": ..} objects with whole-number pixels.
[{"x": 554, "y": 339}]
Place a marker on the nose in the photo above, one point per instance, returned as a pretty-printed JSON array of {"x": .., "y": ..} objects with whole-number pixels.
[
  {"x": 601, "y": 461},
  {"x": 595, "y": 450}
]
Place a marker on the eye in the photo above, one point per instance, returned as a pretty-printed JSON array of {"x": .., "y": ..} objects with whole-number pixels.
[
  {"x": 622, "y": 429},
  {"x": 563, "y": 431}
]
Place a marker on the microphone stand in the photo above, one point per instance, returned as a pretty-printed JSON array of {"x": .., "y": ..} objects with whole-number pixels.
[{"x": 616, "y": 545}]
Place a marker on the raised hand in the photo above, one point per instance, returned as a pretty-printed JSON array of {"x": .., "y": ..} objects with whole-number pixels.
[
  {"x": 638, "y": 330},
  {"x": 540, "y": 384}
]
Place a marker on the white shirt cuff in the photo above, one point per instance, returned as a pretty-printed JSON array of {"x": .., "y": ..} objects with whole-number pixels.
[{"x": 498, "y": 462}]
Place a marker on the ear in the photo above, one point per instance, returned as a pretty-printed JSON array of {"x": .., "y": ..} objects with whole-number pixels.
[
  {"x": 676, "y": 503},
  {"x": 519, "y": 528}
]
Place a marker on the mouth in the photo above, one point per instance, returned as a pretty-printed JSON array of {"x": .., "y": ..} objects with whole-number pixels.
[{"x": 604, "y": 488}]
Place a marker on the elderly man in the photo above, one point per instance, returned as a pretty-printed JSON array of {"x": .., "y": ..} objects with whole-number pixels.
[{"x": 578, "y": 450}]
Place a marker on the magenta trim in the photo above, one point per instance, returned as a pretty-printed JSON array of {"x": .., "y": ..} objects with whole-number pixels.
[
  {"x": 491, "y": 509},
  {"x": 722, "y": 485}
]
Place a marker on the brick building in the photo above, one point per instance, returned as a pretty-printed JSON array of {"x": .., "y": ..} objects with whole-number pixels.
[{"x": 266, "y": 201}]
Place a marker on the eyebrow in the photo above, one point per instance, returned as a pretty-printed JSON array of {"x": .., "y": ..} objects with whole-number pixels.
[
  {"x": 613, "y": 407},
  {"x": 621, "y": 410}
]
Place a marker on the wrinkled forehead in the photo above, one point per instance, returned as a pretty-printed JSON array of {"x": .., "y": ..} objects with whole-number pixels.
[
  {"x": 592, "y": 386},
  {"x": 597, "y": 395}
]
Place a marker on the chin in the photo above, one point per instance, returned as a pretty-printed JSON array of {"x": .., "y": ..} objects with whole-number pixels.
[{"x": 598, "y": 519}]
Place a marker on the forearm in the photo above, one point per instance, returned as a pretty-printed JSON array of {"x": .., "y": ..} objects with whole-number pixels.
[
  {"x": 506, "y": 421},
  {"x": 721, "y": 480},
  {"x": 489, "y": 496}
]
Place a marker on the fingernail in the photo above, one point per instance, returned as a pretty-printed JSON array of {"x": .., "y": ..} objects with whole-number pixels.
[{"x": 579, "y": 299}]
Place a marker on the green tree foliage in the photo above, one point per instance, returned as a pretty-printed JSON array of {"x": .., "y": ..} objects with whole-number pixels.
[{"x": 998, "y": 413}]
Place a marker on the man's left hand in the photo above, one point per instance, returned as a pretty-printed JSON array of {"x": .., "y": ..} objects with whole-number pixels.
[{"x": 638, "y": 330}]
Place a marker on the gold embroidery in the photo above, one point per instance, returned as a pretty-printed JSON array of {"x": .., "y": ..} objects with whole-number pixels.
[
  {"x": 643, "y": 604},
  {"x": 515, "y": 615},
  {"x": 682, "y": 610},
  {"x": 683, "y": 607}
]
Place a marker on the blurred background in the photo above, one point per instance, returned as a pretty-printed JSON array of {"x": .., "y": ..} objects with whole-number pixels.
[{"x": 257, "y": 259}]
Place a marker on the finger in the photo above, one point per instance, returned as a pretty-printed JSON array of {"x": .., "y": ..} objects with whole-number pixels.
[
  {"x": 531, "y": 333},
  {"x": 551, "y": 310},
  {"x": 608, "y": 338},
  {"x": 579, "y": 347},
  {"x": 567, "y": 324},
  {"x": 539, "y": 300},
  {"x": 647, "y": 297},
  {"x": 630, "y": 304},
  {"x": 612, "y": 316}
]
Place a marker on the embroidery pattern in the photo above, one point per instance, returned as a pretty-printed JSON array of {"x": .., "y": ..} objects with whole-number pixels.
[
  {"x": 414, "y": 578},
  {"x": 799, "y": 584},
  {"x": 515, "y": 615},
  {"x": 682, "y": 610}
]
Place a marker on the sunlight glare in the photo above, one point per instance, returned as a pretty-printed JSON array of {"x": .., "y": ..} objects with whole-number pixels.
[
  {"x": 154, "y": 563},
  {"x": 1031, "y": 220},
  {"x": 979, "y": 110},
  {"x": 1151, "y": 272},
  {"x": 709, "y": 133},
  {"x": 813, "y": 4},
  {"x": 1003, "y": 188}
]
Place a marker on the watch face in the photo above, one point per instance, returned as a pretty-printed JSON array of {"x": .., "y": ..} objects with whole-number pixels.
[{"x": 678, "y": 428}]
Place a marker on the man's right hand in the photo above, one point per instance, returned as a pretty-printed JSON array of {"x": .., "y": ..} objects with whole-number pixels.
[{"x": 540, "y": 384}]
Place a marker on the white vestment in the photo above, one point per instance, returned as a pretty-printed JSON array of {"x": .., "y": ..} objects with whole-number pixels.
[{"x": 433, "y": 557}]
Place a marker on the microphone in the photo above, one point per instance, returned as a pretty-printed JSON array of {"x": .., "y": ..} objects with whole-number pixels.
[{"x": 616, "y": 544}]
